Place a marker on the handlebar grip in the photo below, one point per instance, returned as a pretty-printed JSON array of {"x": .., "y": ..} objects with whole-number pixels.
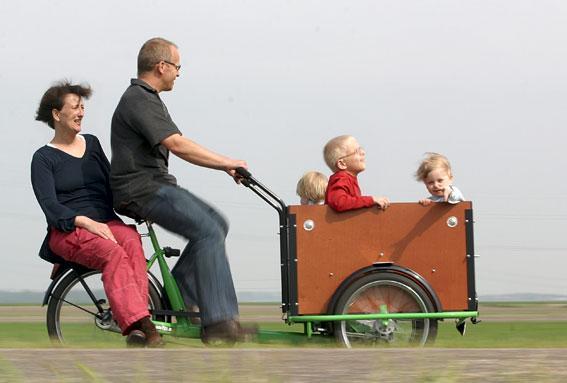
[{"x": 243, "y": 172}]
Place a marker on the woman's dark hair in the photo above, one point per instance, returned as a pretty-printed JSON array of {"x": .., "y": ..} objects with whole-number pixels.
[{"x": 54, "y": 98}]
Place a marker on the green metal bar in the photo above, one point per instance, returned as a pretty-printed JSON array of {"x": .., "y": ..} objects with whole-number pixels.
[
  {"x": 384, "y": 310},
  {"x": 294, "y": 338},
  {"x": 175, "y": 298},
  {"x": 151, "y": 261},
  {"x": 308, "y": 329},
  {"x": 333, "y": 318},
  {"x": 165, "y": 328},
  {"x": 175, "y": 329}
]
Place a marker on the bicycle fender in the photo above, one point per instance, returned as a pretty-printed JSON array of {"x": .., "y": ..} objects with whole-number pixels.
[
  {"x": 60, "y": 275},
  {"x": 389, "y": 268}
]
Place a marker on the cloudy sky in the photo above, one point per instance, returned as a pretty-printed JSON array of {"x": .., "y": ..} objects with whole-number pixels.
[{"x": 270, "y": 81}]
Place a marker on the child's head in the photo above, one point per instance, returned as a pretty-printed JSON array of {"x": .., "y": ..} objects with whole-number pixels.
[
  {"x": 344, "y": 153},
  {"x": 435, "y": 172},
  {"x": 311, "y": 188}
]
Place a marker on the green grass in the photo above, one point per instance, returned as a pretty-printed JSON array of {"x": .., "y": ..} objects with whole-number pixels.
[
  {"x": 521, "y": 303},
  {"x": 23, "y": 335},
  {"x": 526, "y": 334}
]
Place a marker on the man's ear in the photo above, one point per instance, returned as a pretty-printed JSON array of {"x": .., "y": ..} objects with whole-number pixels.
[
  {"x": 159, "y": 68},
  {"x": 341, "y": 165}
]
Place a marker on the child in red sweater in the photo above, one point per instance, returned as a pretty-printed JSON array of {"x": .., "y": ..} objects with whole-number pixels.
[{"x": 346, "y": 159}]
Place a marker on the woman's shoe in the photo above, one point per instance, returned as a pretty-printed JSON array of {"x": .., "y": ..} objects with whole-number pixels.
[
  {"x": 153, "y": 338},
  {"x": 136, "y": 339}
]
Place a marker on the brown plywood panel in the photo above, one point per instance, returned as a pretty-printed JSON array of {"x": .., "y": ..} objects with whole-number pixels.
[{"x": 407, "y": 234}]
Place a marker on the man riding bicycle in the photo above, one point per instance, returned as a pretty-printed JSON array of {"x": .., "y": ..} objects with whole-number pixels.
[{"x": 142, "y": 135}]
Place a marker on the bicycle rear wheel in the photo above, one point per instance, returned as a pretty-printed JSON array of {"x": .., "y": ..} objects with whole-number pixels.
[{"x": 78, "y": 312}]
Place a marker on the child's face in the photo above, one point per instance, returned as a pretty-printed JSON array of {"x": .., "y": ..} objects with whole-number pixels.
[
  {"x": 437, "y": 181},
  {"x": 354, "y": 160}
]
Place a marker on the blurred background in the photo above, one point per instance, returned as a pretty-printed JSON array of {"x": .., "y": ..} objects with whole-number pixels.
[{"x": 271, "y": 81}]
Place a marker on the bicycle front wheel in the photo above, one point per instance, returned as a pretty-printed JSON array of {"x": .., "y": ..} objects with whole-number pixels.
[
  {"x": 78, "y": 312},
  {"x": 394, "y": 294}
]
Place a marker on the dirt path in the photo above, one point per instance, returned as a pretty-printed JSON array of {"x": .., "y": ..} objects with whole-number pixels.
[{"x": 284, "y": 365}]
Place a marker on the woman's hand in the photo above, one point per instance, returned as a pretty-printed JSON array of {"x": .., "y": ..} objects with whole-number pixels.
[{"x": 97, "y": 228}]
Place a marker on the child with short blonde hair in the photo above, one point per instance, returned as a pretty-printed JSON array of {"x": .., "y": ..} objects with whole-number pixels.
[
  {"x": 435, "y": 172},
  {"x": 346, "y": 158},
  {"x": 311, "y": 188}
]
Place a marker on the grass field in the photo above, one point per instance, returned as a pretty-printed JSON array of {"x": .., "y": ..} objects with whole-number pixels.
[
  {"x": 504, "y": 325},
  {"x": 523, "y": 334},
  {"x": 515, "y": 342}
]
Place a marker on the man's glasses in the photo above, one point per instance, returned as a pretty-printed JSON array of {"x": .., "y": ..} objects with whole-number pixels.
[{"x": 177, "y": 67}]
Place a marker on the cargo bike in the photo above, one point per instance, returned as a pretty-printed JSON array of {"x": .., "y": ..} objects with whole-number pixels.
[{"x": 363, "y": 278}]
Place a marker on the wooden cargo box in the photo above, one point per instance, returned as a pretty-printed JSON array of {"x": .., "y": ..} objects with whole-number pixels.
[{"x": 434, "y": 241}]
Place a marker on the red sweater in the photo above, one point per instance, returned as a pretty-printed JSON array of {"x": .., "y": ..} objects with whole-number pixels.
[{"x": 343, "y": 193}]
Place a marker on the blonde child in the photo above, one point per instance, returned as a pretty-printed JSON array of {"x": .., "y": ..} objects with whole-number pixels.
[
  {"x": 311, "y": 188},
  {"x": 346, "y": 159},
  {"x": 435, "y": 172}
]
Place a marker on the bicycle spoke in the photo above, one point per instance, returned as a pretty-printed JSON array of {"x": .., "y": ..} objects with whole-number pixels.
[
  {"x": 77, "y": 306},
  {"x": 91, "y": 295}
]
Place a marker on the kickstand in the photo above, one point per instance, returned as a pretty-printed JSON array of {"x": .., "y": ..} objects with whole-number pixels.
[{"x": 461, "y": 326}]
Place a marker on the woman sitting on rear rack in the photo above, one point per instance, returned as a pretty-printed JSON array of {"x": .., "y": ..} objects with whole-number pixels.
[{"x": 70, "y": 179}]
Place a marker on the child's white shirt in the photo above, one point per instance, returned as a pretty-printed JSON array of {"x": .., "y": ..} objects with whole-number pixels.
[{"x": 455, "y": 197}]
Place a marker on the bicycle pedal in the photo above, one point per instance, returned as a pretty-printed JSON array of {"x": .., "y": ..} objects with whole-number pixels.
[{"x": 170, "y": 252}]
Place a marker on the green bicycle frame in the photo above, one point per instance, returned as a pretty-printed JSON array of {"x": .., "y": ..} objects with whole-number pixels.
[
  {"x": 308, "y": 320},
  {"x": 182, "y": 327}
]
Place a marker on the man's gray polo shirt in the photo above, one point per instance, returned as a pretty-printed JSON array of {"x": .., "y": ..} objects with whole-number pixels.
[{"x": 139, "y": 162}]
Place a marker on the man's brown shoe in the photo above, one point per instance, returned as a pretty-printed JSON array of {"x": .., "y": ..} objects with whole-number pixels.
[
  {"x": 227, "y": 332},
  {"x": 195, "y": 315}
]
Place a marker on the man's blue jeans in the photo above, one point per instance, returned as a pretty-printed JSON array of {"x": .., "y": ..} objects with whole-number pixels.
[{"x": 202, "y": 272}]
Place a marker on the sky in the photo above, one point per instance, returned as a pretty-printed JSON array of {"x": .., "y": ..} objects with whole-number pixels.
[{"x": 271, "y": 81}]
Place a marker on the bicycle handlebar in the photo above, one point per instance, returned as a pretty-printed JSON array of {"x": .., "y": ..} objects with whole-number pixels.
[
  {"x": 243, "y": 172},
  {"x": 246, "y": 176},
  {"x": 262, "y": 191}
]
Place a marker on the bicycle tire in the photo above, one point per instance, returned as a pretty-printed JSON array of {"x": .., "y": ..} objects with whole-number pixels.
[
  {"x": 397, "y": 293},
  {"x": 69, "y": 324}
]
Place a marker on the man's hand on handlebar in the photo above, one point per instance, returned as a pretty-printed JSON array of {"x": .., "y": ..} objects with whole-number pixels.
[{"x": 231, "y": 169}]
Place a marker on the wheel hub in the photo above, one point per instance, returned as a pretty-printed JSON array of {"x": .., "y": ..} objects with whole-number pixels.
[{"x": 385, "y": 329}]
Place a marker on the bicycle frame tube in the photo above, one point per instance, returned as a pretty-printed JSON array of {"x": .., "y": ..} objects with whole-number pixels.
[
  {"x": 343, "y": 317},
  {"x": 169, "y": 284}
]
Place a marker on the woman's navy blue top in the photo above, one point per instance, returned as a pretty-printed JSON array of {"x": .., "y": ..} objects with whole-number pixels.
[{"x": 66, "y": 186}]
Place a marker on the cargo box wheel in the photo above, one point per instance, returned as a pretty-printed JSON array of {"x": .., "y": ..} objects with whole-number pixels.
[{"x": 388, "y": 293}]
